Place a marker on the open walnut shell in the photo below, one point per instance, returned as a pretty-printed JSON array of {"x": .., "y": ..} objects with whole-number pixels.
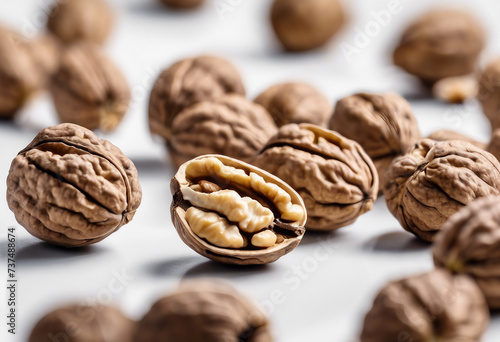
[{"x": 235, "y": 213}]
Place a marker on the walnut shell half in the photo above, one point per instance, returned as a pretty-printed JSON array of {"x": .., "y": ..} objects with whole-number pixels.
[
  {"x": 235, "y": 213},
  {"x": 434, "y": 306},
  {"x": 204, "y": 310},
  {"x": 334, "y": 176},
  {"x": 70, "y": 188},
  {"x": 435, "y": 179},
  {"x": 383, "y": 125},
  {"x": 469, "y": 243}
]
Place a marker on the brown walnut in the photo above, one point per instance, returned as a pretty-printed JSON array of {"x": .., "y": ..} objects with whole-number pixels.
[
  {"x": 230, "y": 125},
  {"x": 45, "y": 51},
  {"x": 70, "y": 188},
  {"x": 489, "y": 93},
  {"x": 383, "y": 125},
  {"x": 89, "y": 89},
  {"x": 434, "y": 180},
  {"x": 434, "y": 306},
  {"x": 183, "y": 3},
  {"x": 235, "y": 213},
  {"x": 444, "y": 135},
  {"x": 441, "y": 44},
  {"x": 204, "y": 310},
  {"x": 295, "y": 103},
  {"x": 469, "y": 243},
  {"x": 83, "y": 323},
  {"x": 19, "y": 76},
  {"x": 494, "y": 144},
  {"x": 306, "y": 25},
  {"x": 187, "y": 82},
  {"x": 80, "y": 20},
  {"x": 333, "y": 174}
]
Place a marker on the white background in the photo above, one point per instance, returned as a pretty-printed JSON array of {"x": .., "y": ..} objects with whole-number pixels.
[{"x": 319, "y": 292}]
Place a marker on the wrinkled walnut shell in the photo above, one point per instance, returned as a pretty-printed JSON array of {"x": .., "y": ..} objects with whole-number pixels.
[
  {"x": 289, "y": 233},
  {"x": 436, "y": 179},
  {"x": 445, "y": 135},
  {"x": 434, "y": 306},
  {"x": 204, "y": 310},
  {"x": 187, "y": 82},
  {"x": 80, "y": 20},
  {"x": 333, "y": 174},
  {"x": 306, "y": 25},
  {"x": 183, "y": 3},
  {"x": 489, "y": 93},
  {"x": 295, "y": 103},
  {"x": 89, "y": 90},
  {"x": 231, "y": 125},
  {"x": 441, "y": 44},
  {"x": 469, "y": 243},
  {"x": 70, "y": 188},
  {"x": 383, "y": 125},
  {"x": 84, "y": 323}
]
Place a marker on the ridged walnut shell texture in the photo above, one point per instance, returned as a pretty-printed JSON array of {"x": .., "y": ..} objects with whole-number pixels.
[
  {"x": 89, "y": 90},
  {"x": 436, "y": 179},
  {"x": 230, "y": 125},
  {"x": 183, "y": 4},
  {"x": 84, "y": 323},
  {"x": 440, "y": 44},
  {"x": 383, "y": 125},
  {"x": 435, "y": 306},
  {"x": 187, "y": 82},
  {"x": 80, "y": 20},
  {"x": 70, "y": 188},
  {"x": 306, "y": 25},
  {"x": 444, "y": 135},
  {"x": 295, "y": 103},
  {"x": 204, "y": 310},
  {"x": 333, "y": 174},
  {"x": 489, "y": 93},
  {"x": 292, "y": 232},
  {"x": 19, "y": 76},
  {"x": 469, "y": 243}
]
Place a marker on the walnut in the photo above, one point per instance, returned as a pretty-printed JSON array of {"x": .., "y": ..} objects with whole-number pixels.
[
  {"x": 469, "y": 243},
  {"x": 456, "y": 89},
  {"x": 444, "y": 135},
  {"x": 83, "y": 323},
  {"x": 295, "y": 103},
  {"x": 383, "y": 125},
  {"x": 306, "y": 25},
  {"x": 204, "y": 310},
  {"x": 80, "y": 20},
  {"x": 19, "y": 77},
  {"x": 89, "y": 90},
  {"x": 70, "y": 188},
  {"x": 45, "y": 51},
  {"x": 183, "y": 3},
  {"x": 489, "y": 93},
  {"x": 434, "y": 180},
  {"x": 434, "y": 306},
  {"x": 440, "y": 44},
  {"x": 230, "y": 125},
  {"x": 187, "y": 82},
  {"x": 235, "y": 213},
  {"x": 334, "y": 176},
  {"x": 494, "y": 145}
]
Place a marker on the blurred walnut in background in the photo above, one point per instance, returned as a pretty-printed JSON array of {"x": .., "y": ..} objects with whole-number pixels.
[
  {"x": 489, "y": 93},
  {"x": 305, "y": 25},
  {"x": 45, "y": 51},
  {"x": 295, "y": 103},
  {"x": 80, "y": 20},
  {"x": 445, "y": 135},
  {"x": 183, "y": 4},
  {"x": 441, "y": 44}
]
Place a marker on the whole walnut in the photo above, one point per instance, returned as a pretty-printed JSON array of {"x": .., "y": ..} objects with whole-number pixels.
[
  {"x": 183, "y": 3},
  {"x": 45, "y": 51},
  {"x": 335, "y": 177},
  {"x": 306, "y": 25},
  {"x": 84, "y": 323},
  {"x": 489, "y": 93},
  {"x": 187, "y": 82},
  {"x": 19, "y": 77},
  {"x": 434, "y": 306},
  {"x": 80, "y": 20},
  {"x": 295, "y": 103},
  {"x": 494, "y": 145},
  {"x": 204, "y": 310},
  {"x": 89, "y": 90},
  {"x": 444, "y": 135},
  {"x": 435, "y": 179},
  {"x": 383, "y": 125},
  {"x": 230, "y": 125},
  {"x": 469, "y": 244},
  {"x": 70, "y": 188},
  {"x": 440, "y": 44}
]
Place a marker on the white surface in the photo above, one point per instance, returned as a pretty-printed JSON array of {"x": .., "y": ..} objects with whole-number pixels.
[{"x": 320, "y": 291}]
